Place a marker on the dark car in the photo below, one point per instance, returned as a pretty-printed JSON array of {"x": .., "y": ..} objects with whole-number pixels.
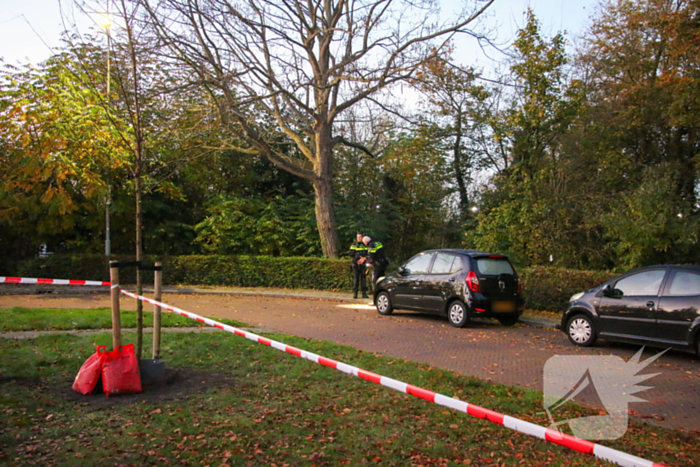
[
  {"x": 658, "y": 305},
  {"x": 461, "y": 284}
]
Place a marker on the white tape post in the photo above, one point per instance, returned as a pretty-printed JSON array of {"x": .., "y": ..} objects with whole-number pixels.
[
  {"x": 521, "y": 426},
  {"x": 32, "y": 280}
]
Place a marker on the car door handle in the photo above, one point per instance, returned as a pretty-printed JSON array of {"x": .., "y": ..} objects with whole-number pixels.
[{"x": 650, "y": 304}]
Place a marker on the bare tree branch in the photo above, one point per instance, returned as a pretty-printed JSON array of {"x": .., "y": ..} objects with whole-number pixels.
[{"x": 350, "y": 144}]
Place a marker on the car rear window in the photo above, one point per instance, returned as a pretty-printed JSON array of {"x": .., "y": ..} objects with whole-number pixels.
[
  {"x": 684, "y": 284},
  {"x": 494, "y": 266}
]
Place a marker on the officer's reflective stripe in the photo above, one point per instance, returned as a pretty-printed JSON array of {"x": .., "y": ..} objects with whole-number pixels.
[{"x": 377, "y": 246}]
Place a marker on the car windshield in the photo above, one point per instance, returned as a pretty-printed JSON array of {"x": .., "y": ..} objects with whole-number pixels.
[{"x": 494, "y": 266}]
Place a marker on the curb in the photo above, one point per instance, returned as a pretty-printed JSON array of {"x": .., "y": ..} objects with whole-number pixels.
[
  {"x": 538, "y": 323},
  {"x": 260, "y": 294}
]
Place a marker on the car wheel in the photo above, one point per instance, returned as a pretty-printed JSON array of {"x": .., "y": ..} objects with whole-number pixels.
[
  {"x": 457, "y": 314},
  {"x": 508, "y": 320},
  {"x": 581, "y": 331},
  {"x": 383, "y": 302}
]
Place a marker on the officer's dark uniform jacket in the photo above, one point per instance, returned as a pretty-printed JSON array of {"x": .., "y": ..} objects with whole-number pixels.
[
  {"x": 376, "y": 254},
  {"x": 357, "y": 251}
]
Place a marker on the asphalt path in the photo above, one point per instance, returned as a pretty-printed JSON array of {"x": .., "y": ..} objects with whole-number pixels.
[{"x": 510, "y": 355}]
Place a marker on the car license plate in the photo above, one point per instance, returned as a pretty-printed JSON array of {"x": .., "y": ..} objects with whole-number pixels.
[{"x": 503, "y": 307}]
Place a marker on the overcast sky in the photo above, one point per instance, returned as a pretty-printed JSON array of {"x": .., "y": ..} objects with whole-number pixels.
[{"x": 29, "y": 28}]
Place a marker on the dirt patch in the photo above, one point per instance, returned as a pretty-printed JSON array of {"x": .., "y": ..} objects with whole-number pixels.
[
  {"x": 177, "y": 385},
  {"x": 20, "y": 380}
]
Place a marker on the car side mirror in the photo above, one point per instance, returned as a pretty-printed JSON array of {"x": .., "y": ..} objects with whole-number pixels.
[
  {"x": 611, "y": 292},
  {"x": 403, "y": 271},
  {"x": 608, "y": 291}
]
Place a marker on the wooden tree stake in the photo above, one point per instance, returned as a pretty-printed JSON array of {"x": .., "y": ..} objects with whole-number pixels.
[
  {"x": 116, "y": 313},
  {"x": 158, "y": 288}
]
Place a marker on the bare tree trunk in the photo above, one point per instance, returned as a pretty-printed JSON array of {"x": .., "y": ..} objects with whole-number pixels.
[
  {"x": 139, "y": 249},
  {"x": 459, "y": 172},
  {"x": 325, "y": 218},
  {"x": 323, "y": 186}
]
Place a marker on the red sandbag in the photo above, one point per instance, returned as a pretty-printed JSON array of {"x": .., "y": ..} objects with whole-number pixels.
[
  {"x": 90, "y": 372},
  {"x": 120, "y": 372}
]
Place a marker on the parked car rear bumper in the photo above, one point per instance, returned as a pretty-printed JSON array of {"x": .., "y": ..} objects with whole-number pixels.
[{"x": 485, "y": 308}]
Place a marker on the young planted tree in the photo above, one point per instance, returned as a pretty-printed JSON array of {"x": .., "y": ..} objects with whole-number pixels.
[
  {"x": 301, "y": 64},
  {"x": 140, "y": 109}
]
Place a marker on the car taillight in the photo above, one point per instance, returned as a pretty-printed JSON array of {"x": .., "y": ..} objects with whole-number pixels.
[
  {"x": 520, "y": 284},
  {"x": 473, "y": 282}
]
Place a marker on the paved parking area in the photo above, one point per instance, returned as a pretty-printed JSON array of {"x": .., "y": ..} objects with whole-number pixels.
[{"x": 514, "y": 356}]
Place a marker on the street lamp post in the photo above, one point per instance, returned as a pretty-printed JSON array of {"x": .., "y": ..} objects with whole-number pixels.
[
  {"x": 108, "y": 244},
  {"x": 105, "y": 21}
]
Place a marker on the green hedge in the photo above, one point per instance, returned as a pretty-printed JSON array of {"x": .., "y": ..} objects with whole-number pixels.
[
  {"x": 545, "y": 288},
  {"x": 549, "y": 289},
  {"x": 241, "y": 271},
  {"x": 81, "y": 267},
  {"x": 259, "y": 271}
]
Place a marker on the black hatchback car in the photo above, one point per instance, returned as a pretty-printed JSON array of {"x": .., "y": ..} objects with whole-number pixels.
[
  {"x": 657, "y": 305},
  {"x": 460, "y": 284}
]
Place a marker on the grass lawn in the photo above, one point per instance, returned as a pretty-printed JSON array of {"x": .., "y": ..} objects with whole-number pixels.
[
  {"x": 38, "y": 319},
  {"x": 249, "y": 404}
]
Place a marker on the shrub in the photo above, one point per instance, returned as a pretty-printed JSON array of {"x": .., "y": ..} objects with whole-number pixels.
[
  {"x": 240, "y": 271},
  {"x": 259, "y": 271},
  {"x": 549, "y": 289},
  {"x": 82, "y": 267}
]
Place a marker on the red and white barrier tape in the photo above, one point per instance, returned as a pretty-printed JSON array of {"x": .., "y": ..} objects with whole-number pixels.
[
  {"x": 32, "y": 280},
  {"x": 521, "y": 426}
]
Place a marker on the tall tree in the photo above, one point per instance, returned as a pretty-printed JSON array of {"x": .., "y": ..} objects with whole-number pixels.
[
  {"x": 459, "y": 113},
  {"x": 545, "y": 102},
  {"x": 402, "y": 196},
  {"x": 529, "y": 211},
  {"x": 302, "y": 64},
  {"x": 643, "y": 60}
]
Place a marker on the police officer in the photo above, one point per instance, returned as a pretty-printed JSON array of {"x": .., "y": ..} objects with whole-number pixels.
[
  {"x": 358, "y": 253},
  {"x": 377, "y": 257}
]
